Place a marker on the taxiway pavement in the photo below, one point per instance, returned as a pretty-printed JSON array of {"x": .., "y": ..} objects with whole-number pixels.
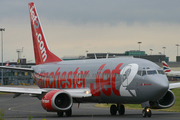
[{"x": 26, "y": 108}]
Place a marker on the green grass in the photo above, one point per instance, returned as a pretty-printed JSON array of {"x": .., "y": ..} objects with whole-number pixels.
[
  {"x": 2, "y": 114},
  {"x": 174, "y": 108},
  {"x": 4, "y": 93}
]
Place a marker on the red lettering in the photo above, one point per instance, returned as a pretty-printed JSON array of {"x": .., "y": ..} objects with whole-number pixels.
[
  {"x": 47, "y": 78},
  {"x": 104, "y": 82},
  {"x": 75, "y": 72},
  {"x": 43, "y": 79},
  {"x": 84, "y": 77},
  {"x": 57, "y": 74},
  {"x": 50, "y": 84},
  {"x": 114, "y": 72},
  {"x": 69, "y": 79},
  {"x": 97, "y": 92},
  {"x": 63, "y": 78},
  {"x": 40, "y": 80},
  {"x": 79, "y": 79}
]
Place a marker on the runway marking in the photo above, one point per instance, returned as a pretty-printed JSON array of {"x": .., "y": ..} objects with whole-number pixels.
[{"x": 13, "y": 108}]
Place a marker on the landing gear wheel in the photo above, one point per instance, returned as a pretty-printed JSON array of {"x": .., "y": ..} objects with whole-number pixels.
[
  {"x": 146, "y": 112},
  {"x": 60, "y": 114},
  {"x": 149, "y": 113},
  {"x": 121, "y": 110},
  {"x": 113, "y": 109},
  {"x": 69, "y": 112}
]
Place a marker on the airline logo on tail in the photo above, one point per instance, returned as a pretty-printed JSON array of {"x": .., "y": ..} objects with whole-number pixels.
[
  {"x": 7, "y": 64},
  {"x": 41, "y": 49},
  {"x": 166, "y": 68},
  {"x": 37, "y": 29}
]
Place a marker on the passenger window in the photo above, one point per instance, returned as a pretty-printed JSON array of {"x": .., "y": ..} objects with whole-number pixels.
[{"x": 151, "y": 72}]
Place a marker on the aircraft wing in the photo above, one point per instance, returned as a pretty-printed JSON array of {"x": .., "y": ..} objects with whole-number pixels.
[
  {"x": 174, "y": 85},
  {"x": 75, "y": 93},
  {"x": 17, "y": 68}
]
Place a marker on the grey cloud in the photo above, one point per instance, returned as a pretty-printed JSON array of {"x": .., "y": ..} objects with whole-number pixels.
[{"x": 97, "y": 11}]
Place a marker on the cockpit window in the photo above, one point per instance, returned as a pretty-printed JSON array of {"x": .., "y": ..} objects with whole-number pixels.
[
  {"x": 139, "y": 73},
  {"x": 143, "y": 73},
  {"x": 161, "y": 72},
  {"x": 151, "y": 72}
]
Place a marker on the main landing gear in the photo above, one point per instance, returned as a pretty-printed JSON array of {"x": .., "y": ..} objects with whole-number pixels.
[
  {"x": 146, "y": 112},
  {"x": 119, "y": 108},
  {"x": 68, "y": 113}
]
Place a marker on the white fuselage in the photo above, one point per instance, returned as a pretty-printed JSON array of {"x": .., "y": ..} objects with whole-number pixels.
[{"x": 173, "y": 74}]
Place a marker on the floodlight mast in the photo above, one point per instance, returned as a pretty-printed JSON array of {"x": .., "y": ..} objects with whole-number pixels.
[
  {"x": 139, "y": 48},
  {"x": 2, "y": 29}
]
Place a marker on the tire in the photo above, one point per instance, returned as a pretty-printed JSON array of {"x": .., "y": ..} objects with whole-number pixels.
[
  {"x": 144, "y": 113},
  {"x": 113, "y": 109},
  {"x": 149, "y": 113},
  {"x": 69, "y": 112},
  {"x": 121, "y": 110},
  {"x": 60, "y": 114}
]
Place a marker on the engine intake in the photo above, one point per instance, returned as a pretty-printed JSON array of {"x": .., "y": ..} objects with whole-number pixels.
[
  {"x": 167, "y": 101},
  {"x": 57, "y": 100}
]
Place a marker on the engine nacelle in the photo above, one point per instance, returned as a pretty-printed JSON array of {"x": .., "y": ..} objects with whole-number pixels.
[
  {"x": 167, "y": 101},
  {"x": 56, "y": 100}
]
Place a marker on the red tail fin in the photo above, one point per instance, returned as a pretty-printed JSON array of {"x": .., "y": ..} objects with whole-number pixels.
[{"x": 41, "y": 49}]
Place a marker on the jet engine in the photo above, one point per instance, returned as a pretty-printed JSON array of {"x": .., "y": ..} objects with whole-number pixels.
[
  {"x": 56, "y": 100},
  {"x": 167, "y": 101}
]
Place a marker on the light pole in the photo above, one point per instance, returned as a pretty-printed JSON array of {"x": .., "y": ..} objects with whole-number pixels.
[
  {"x": 86, "y": 52},
  {"x": 2, "y": 29},
  {"x": 164, "y": 49},
  {"x": 19, "y": 51},
  {"x": 177, "y": 48},
  {"x": 139, "y": 48},
  {"x": 151, "y": 51}
]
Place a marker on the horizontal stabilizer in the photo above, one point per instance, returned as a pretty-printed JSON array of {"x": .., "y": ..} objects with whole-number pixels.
[{"x": 17, "y": 68}]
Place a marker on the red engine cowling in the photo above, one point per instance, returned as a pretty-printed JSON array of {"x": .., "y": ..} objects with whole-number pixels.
[{"x": 57, "y": 100}]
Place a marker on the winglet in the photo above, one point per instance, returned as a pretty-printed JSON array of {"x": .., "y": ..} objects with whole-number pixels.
[
  {"x": 166, "y": 68},
  {"x": 41, "y": 50}
]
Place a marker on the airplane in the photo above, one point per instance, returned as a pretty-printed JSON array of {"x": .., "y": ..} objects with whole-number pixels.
[
  {"x": 169, "y": 72},
  {"x": 123, "y": 80}
]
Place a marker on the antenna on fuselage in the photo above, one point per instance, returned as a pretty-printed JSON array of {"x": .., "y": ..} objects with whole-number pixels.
[
  {"x": 95, "y": 56},
  {"x": 107, "y": 55}
]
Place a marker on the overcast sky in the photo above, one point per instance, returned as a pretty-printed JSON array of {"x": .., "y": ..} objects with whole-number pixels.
[{"x": 73, "y": 26}]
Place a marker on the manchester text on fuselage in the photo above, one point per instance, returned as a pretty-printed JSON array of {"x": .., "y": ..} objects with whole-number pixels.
[{"x": 77, "y": 79}]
